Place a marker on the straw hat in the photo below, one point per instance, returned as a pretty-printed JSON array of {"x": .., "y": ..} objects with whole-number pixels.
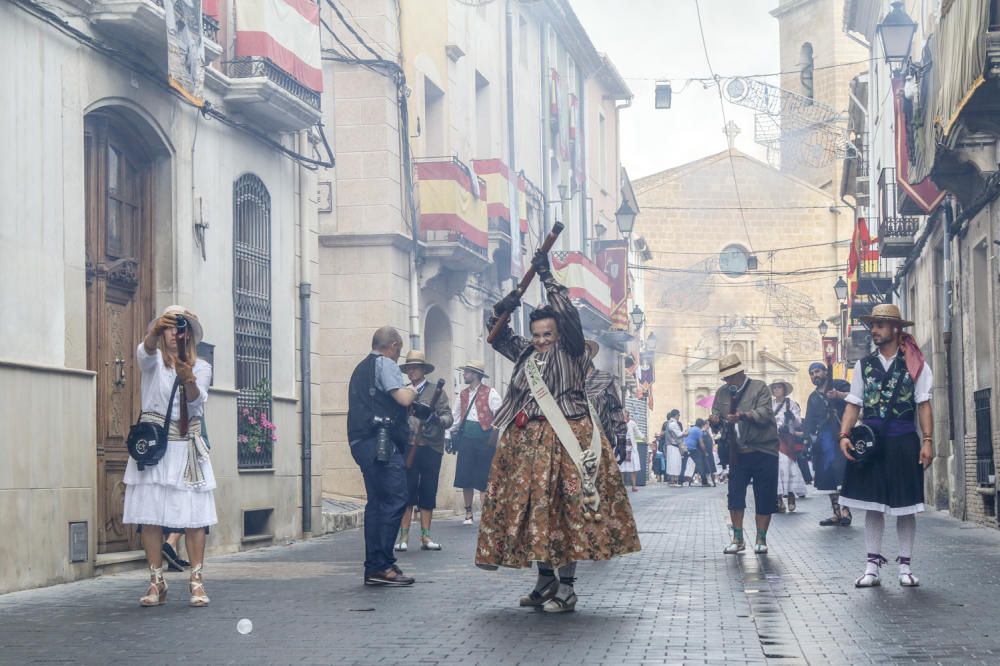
[
  {"x": 729, "y": 365},
  {"x": 414, "y": 359},
  {"x": 886, "y": 312},
  {"x": 787, "y": 386},
  {"x": 476, "y": 366},
  {"x": 196, "y": 330}
]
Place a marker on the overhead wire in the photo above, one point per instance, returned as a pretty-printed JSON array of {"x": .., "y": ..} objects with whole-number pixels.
[
  {"x": 725, "y": 122},
  {"x": 350, "y": 28},
  {"x": 713, "y": 78},
  {"x": 208, "y": 110}
]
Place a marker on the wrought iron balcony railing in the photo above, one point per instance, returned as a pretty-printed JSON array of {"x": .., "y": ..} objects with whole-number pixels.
[
  {"x": 210, "y": 27},
  {"x": 257, "y": 66},
  {"x": 897, "y": 227}
]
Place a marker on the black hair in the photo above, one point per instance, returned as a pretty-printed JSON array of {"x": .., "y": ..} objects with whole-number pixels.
[
  {"x": 674, "y": 412},
  {"x": 544, "y": 312},
  {"x": 700, "y": 423}
]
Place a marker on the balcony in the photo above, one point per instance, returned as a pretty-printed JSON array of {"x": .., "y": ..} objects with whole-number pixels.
[
  {"x": 453, "y": 227},
  {"x": 210, "y": 30},
  {"x": 269, "y": 96},
  {"x": 137, "y": 22},
  {"x": 875, "y": 283},
  {"x": 897, "y": 236},
  {"x": 588, "y": 286}
]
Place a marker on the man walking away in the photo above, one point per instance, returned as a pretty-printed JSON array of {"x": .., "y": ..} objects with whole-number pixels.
[
  {"x": 376, "y": 416},
  {"x": 743, "y": 409},
  {"x": 824, "y": 411}
]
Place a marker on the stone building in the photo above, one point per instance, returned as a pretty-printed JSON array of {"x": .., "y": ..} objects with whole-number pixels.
[
  {"x": 442, "y": 192},
  {"x": 724, "y": 282},
  {"x": 118, "y": 199},
  {"x": 936, "y": 215}
]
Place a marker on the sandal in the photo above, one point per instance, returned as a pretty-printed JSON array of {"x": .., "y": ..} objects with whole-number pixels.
[
  {"x": 830, "y": 522},
  {"x": 468, "y": 516},
  {"x": 157, "y": 592},
  {"x": 734, "y": 548},
  {"x": 557, "y": 605},
  {"x": 869, "y": 579},
  {"x": 845, "y": 521},
  {"x": 426, "y": 543},
  {"x": 791, "y": 502},
  {"x": 539, "y": 598},
  {"x": 198, "y": 596},
  {"x": 907, "y": 579},
  {"x": 760, "y": 548}
]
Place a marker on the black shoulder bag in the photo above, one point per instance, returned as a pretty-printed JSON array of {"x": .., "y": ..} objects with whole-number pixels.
[
  {"x": 147, "y": 442},
  {"x": 866, "y": 443},
  {"x": 456, "y": 441}
]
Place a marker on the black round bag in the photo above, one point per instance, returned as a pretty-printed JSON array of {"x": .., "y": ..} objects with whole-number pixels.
[{"x": 147, "y": 442}]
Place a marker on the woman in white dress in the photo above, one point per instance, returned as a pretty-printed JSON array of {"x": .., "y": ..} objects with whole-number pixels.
[
  {"x": 788, "y": 417},
  {"x": 631, "y": 465},
  {"x": 673, "y": 433},
  {"x": 177, "y": 491}
]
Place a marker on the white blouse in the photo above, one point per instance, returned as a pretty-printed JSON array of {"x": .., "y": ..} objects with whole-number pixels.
[
  {"x": 922, "y": 388},
  {"x": 158, "y": 380}
]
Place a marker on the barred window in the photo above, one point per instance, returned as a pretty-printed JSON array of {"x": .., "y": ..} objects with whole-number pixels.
[{"x": 252, "y": 325}]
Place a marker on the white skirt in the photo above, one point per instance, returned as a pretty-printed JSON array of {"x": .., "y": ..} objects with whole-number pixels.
[
  {"x": 633, "y": 465},
  {"x": 789, "y": 477},
  {"x": 158, "y": 495},
  {"x": 674, "y": 461}
]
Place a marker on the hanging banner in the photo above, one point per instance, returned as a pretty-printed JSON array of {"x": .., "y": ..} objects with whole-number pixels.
[
  {"x": 612, "y": 258},
  {"x": 185, "y": 49},
  {"x": 286, "y": 32}
]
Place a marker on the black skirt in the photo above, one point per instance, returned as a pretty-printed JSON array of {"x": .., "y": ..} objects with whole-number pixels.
[
  {"x": 475, "y": 457},
  {"x": 892, "y": 484}
]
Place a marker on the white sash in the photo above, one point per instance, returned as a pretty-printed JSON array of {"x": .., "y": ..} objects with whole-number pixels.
[{"x": 587, "y": 461}]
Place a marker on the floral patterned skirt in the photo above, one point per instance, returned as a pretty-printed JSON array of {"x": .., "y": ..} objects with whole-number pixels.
[{"x": 532, "y": 511}]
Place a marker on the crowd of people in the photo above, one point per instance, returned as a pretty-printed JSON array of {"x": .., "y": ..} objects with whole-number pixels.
[{"x": 551, "y": 457}]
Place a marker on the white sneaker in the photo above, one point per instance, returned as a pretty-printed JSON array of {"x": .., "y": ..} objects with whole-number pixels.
[
  {"x": 429, "y": 545},
  {"x": 401, "y": 547}
]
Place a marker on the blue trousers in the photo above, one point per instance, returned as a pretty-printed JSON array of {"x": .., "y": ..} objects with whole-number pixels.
[{"x": 385, "y": 485}]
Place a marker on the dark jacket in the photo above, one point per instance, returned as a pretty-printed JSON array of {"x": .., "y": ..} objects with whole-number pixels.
[
  {"x": 365, "y": 402},
  {"x": 432, "y": 435},
  {"x": 758, "y": 430}
]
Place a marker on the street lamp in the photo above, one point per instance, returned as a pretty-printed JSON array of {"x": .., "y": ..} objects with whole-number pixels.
[
  {"x": 638, "y": 317},
  {"x": 895, "y": 32},
  {"x": 840, "y": 289},
  {"x": 625, "y": 217},
  {"x": 823, "y": 328},
  {"x": 651, "y": 342}
]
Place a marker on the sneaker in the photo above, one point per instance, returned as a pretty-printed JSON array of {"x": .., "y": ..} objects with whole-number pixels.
[
  {"x": 390, "y": 577},
  {"x": 174, "y": 562},
  {"x": 468, "y": 516},
  {"x": 401, "y": 547}
]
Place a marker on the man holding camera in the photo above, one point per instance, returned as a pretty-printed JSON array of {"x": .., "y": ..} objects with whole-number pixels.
[{"x": 378, "y": 432}]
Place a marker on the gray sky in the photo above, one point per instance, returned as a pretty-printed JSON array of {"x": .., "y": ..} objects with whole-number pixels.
[{"x": 654, "y": 39}]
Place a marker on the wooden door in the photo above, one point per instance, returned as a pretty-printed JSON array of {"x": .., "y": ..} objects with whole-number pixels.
[{"x": 119, "y": 304}]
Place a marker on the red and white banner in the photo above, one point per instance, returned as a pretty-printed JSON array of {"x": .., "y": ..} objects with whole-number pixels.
[
  {"x": 583, "y": 279},
  {"x": 612, "y": 257},
  {"x": 284, "y": 31}
]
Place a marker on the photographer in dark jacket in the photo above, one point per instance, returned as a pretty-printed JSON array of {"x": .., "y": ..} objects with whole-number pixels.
[{"x": 378, "y": 432}]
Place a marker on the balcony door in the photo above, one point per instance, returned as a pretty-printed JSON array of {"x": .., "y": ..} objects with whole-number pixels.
[{"x": 118, "y": 185}]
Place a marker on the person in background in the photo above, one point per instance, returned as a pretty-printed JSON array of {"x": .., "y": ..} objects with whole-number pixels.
[
  {"x": 696, "y": 452},
  {"x": 673, "y": 436},
  {"x": 824, "y": 411},
  {"x": 428, "y": 437},
  {"x": 788, "y": 418},
  {"x": 631, "y": 465},
  {"x": 471, "y": 433},
  {"x": 708, "y": 446}
]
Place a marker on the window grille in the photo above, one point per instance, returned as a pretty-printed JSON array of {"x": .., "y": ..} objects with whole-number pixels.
[
  {"x": 985, "y": 469},
  {"x": 252, "y": 314}
]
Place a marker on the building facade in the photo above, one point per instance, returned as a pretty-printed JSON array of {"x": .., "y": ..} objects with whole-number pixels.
[
  {"x": 121, "y": 197},
  {"x": 462, "y": 135}
]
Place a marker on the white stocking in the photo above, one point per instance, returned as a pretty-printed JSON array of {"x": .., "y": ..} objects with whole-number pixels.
[
  {"x": 906, "y": 531},
  {"x": 874, "y": 526}
]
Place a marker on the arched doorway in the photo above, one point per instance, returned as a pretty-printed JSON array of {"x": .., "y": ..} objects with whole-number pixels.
[
  {"x": 119, "y": 249},
  {"x": 438, "y": 345}
]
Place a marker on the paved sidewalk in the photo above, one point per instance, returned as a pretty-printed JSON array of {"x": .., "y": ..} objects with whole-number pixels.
[{"x": 678, "y": 601}]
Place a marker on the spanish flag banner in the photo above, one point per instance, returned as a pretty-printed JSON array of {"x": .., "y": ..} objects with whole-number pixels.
[{"x": 452, "y": 206}]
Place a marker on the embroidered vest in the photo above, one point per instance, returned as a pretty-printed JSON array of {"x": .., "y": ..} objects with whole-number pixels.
[
  {"x": 483, "y": 411},
  {"x": 878, "y": 391}
]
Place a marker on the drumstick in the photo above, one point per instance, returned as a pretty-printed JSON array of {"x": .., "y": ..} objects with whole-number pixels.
[{"x": 525, "y": 282}]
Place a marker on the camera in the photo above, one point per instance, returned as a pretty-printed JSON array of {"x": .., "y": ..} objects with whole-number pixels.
[
  {"x": 383, "y": 442},
  {"x": 182, "y": 323}
]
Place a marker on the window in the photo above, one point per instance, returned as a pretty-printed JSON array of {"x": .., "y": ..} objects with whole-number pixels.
[
  {"x": 484, "y": 138},
  {"x": 982, "y": 327},
  {"x": 252, "y": 325},
  {"x": 603, "y": 151},
  {"x": 522, "y": 39},
  {"x": 806, "y": 70},
  {"x": 433, "y": 119},
  {"x": 734, "y": 261}
]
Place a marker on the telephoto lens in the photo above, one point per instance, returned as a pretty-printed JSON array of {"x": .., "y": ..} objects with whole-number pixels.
[{"x": 182, "y": 322}]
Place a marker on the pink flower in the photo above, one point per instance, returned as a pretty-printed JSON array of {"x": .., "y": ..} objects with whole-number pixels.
[
  {"x": 245, "y": 412},
  {"x": 251, "y": 420},
  {"x": 274, "y": 437},
  {"x": 257, "y": 450},
  {"x": 263, "y": 416},
  {"x": 242, "y": 439}
]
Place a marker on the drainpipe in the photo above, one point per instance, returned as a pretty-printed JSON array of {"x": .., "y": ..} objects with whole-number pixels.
[
  {"x": 305, "y": 325},
  {"x": 512, "y": 189},
  {"x": 957, "y": 451}
]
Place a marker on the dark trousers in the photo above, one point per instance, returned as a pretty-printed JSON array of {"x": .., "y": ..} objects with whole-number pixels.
[
  {"x": 696, "y": 458},
  {"x": 385, "y": 485}
]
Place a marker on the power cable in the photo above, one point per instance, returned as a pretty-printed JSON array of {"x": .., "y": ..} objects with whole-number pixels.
[
  {"x": 744, "y": 76},
  {"x": 208, "y": 110},
  {"x": 350, "y": 28},
  {"x": 362, "y": 29},
  {"x": 725, "y": 122},
  {"x": 769, "y": 251},
  {"x": 816, "y": 207}
]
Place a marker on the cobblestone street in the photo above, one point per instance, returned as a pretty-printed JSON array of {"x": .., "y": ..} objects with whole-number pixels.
[{"x": 678, "y": 601}]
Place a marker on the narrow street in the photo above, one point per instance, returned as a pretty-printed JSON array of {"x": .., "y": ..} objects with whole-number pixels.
[{"x": 679, "y": 601}]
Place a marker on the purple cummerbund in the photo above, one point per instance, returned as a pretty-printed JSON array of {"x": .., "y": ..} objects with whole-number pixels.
[{"x": 896, "y": 427}]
